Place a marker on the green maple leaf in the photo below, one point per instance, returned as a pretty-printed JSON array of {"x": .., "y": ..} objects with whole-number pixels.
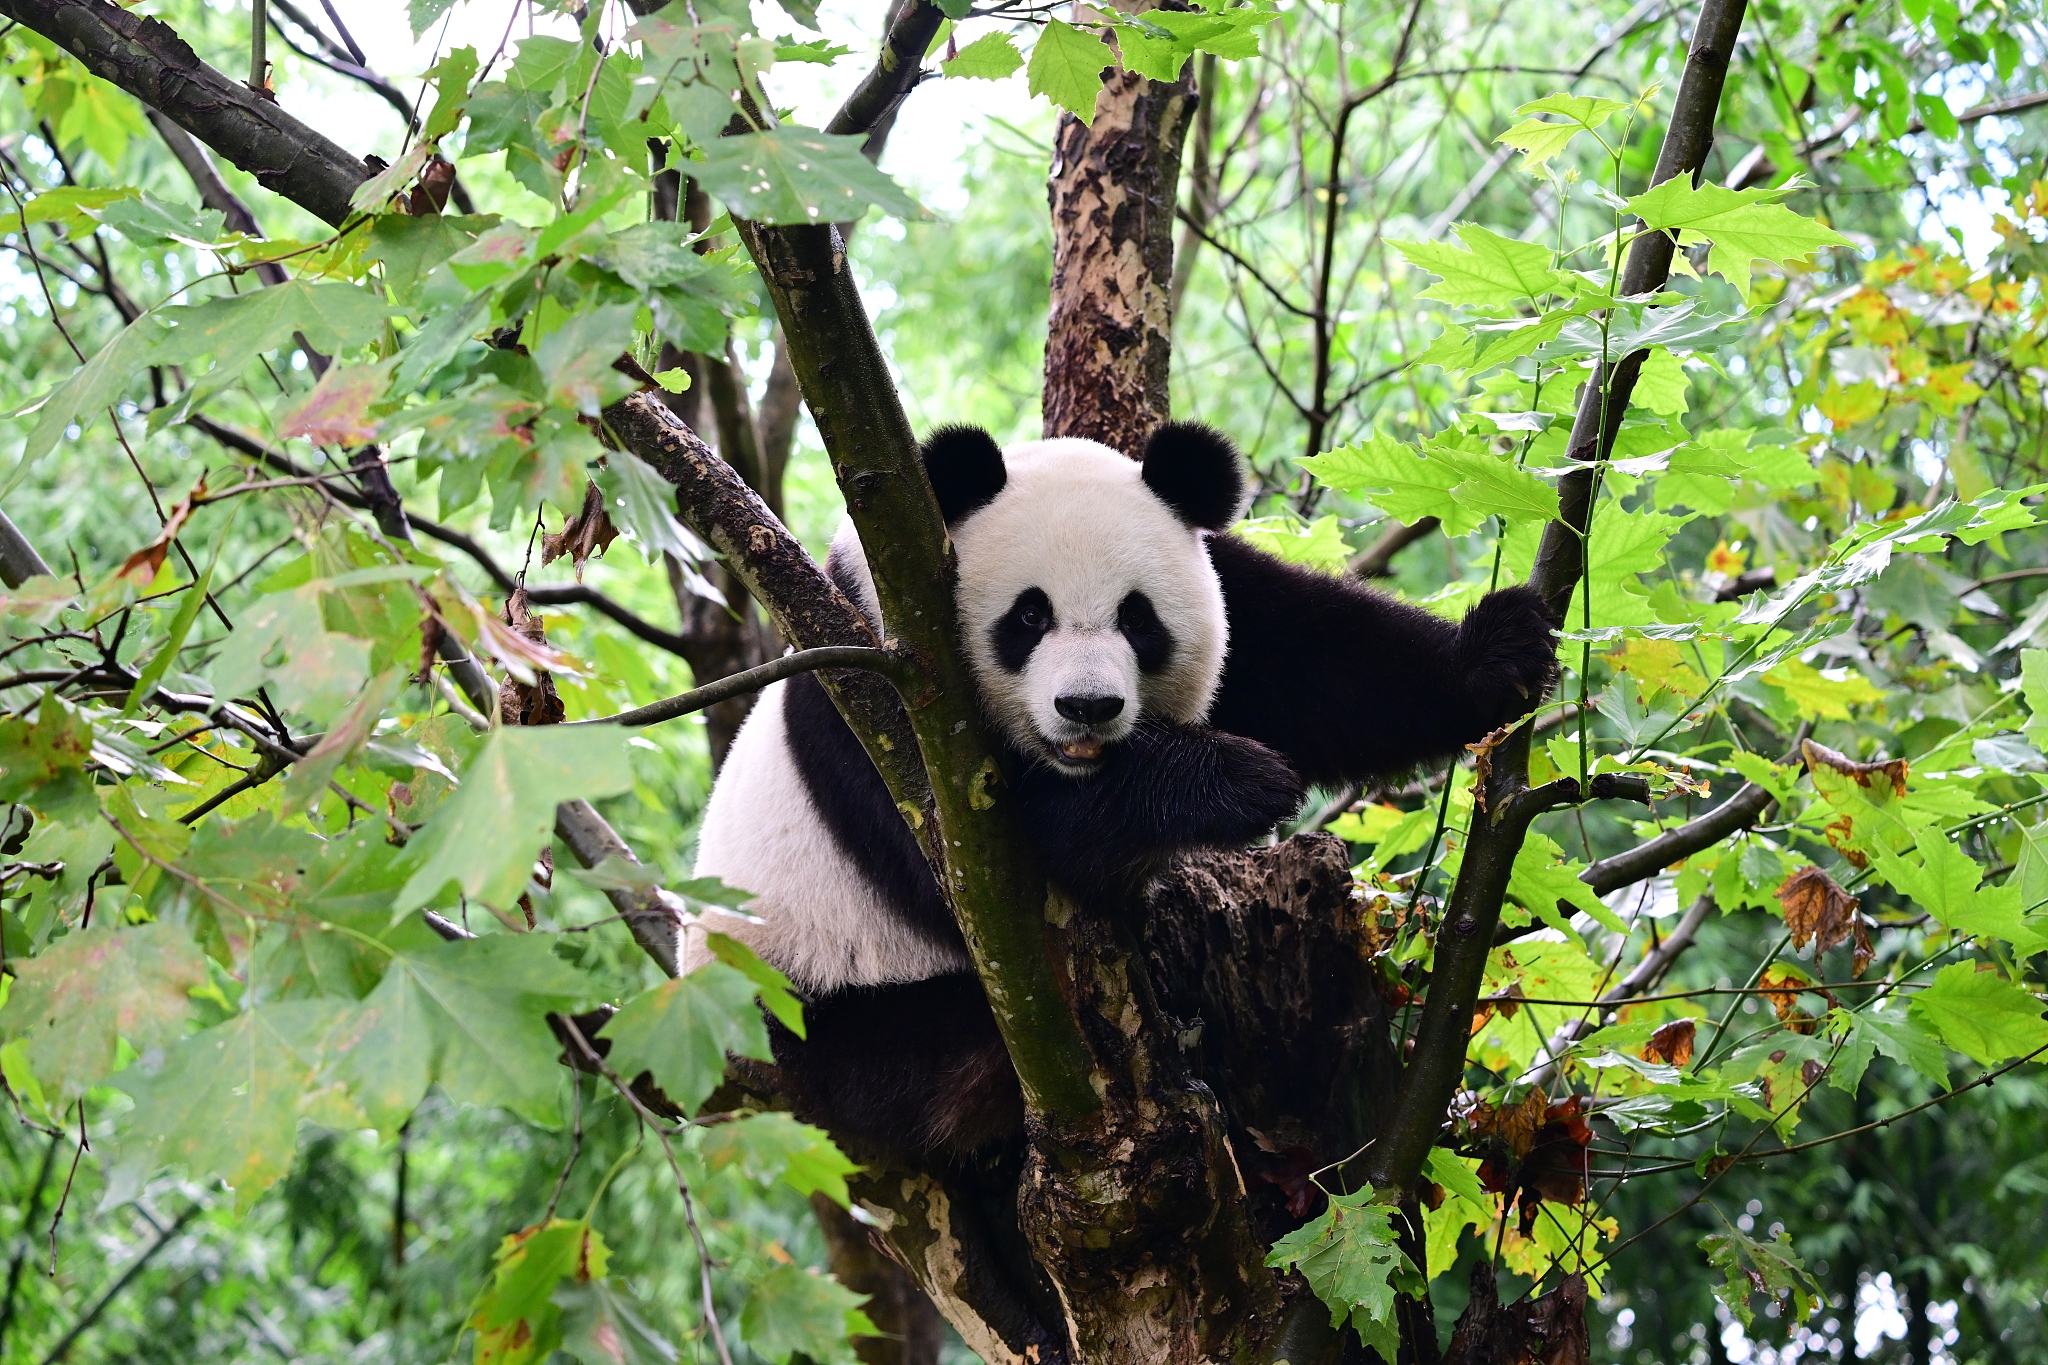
[
  {"x": 1587, "y": 111},
  {"x": 225, "y": 1102},
  {"x": 1490, "y": 486},
  {"x": 485, "y": 836},
  {"x": 1981, "y": 1015},
  {"x": 1066, "y": 67},
  {"x": 1397, "y": 479},
  {"x": 1741, "y": 226},
  {"x": 770, "y": 1147},
  {"x": 1539, "y": 141},
  {"x": 2034, "y": 686},
  {"x": 798, "y": 175},
  {"x": 83, "y": 994},
  {"x": 990, "y": 57},
  {"x": 680, "y": 1032},
  {"x": 794, "y": 1310},
  {"x": 469, "y": 1016},
  {"x": 36, "y": 753},
  {"x": 1490, "y": 270},
  {"x": 234, "y": 330},
  {"x": 1349, "y": 1258}
]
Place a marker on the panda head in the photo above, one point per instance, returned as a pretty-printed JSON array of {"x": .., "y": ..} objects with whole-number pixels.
[{"x": 1087, "y": 600}]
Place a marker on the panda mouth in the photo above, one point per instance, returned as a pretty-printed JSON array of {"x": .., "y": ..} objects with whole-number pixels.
[{"x": 1086, "y": 749}]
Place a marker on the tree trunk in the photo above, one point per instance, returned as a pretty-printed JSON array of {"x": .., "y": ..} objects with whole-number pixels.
[{"x": 1110, "y": 338}]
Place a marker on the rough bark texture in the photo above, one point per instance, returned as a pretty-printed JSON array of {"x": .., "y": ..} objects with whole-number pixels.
[
  {"x": 1109, "y": 341},
  {"x": 912, "y": 1331},
  {"x": 146, "y": 57}
]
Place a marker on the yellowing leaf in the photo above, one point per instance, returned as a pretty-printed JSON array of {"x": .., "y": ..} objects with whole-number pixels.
[
  {"x": 1825, "y": 693},
  {"x": 337, "y": 411},
  {"x": 1845, "y": 406}
]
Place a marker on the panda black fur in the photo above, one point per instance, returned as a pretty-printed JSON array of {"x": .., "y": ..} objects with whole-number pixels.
[{"x": 1160, "y": 686}]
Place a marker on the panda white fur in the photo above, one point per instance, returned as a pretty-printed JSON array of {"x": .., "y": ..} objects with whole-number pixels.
[{"x": 1160, "y": 687}]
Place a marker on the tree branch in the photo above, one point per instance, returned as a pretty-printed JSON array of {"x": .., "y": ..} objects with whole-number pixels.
[
  {"x": 1473, "y": 911},
  {"x": 19, "y": 561},
  {"x": 988, "y": 868},
  {"x": 1372, "y": 561},
  {"x": 145, "y": 57},
  {"x": 1648, "y": 859},
  {"x": 754, "y": 679},
  {"x": 895, "y": 73}
]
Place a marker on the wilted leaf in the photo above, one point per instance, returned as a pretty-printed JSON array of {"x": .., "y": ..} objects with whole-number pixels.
[
  {"x": 603, "y": 1325},
  {"x": 142, "y": 566},
  {"x": 1772, "y": 1269},
  {"x": 590, "y": 532},
  {"x": 1671, "y": 1042},
  {"x": 1818, "y": 911},
  {"x": 337, "y": 411},
  {"x": 83, "y": 994}
]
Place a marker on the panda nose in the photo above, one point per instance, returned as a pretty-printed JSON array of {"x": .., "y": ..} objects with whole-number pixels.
[{"x": 1089, "y": 710}]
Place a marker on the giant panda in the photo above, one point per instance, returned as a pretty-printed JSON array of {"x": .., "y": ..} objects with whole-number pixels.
[{"x": 1160, "y": 685}]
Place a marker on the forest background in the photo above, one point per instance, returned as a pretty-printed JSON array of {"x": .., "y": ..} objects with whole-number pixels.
[{"x": 1852, "y": 429}]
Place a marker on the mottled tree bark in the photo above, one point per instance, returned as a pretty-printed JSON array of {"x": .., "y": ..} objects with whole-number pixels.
[{"x": 1109, "y": 342}]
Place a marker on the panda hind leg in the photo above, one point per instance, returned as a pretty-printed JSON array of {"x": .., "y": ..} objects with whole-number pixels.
[{"x": 903, "y": 1070}]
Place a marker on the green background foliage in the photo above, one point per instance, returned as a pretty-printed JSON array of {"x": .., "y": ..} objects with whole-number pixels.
[{"x": 1818, "y": 526}]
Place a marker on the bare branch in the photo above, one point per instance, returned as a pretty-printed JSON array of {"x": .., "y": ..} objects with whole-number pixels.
[
  {"x": 145, "y": 57},
  {"x": 1372, "y": 561},
  {"x": 754, "y": 679}
]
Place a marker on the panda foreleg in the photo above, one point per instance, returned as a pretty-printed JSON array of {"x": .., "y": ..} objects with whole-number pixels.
[
  {"x": 1166, "y": 788},
  {"x": 1351, "y": 685}
]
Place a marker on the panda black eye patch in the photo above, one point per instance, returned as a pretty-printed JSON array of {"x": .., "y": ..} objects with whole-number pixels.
[
  {"x": 1021, "y": 628},
  {"x": 1150, "y": 640}
]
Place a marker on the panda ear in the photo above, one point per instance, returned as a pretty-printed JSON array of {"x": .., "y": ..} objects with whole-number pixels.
[
  {"x": 965, "y": 466},
  {"x": 1197, "y": 472}
]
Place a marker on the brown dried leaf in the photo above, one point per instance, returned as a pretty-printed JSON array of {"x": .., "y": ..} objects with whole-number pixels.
[
  {"x": 142, "y": 566},
  {"x": 1841, "y": 832},
  {"x": 1557, "y": 1321},
  {"x": 589, "y": 532},
  {"x": 1782, "y": 987},
  {"x": 1672, "y": 1043},
  {"x": 523, "y": 658},
  {"x": 336, "y": 412},
  {"x": 1482, "y": 763},
  {"x": 1515, "y": 1125},
  {"x": 436, "y": 182},
  {"x": 1866, "y": 775},
  {"x": 1817, "y": 910},
  {"x": 532, "y": 702}
]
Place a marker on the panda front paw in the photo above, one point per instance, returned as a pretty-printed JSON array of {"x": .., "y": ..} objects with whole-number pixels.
[
  {"x": 1255, "y": 789},
  {"x": 1507, "y": 653}
]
